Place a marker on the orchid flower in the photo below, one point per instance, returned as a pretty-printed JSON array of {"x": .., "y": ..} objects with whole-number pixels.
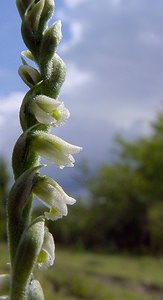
[
  {"x": 49, "y": 111},
  {"x": 53, "y": 196},
  {"x": 54, "y": 149}
]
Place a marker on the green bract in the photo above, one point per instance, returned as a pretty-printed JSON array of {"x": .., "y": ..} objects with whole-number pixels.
[{"x": 30, "y": 242}]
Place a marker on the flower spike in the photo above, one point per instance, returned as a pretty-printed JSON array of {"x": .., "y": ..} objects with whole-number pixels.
[{"x": 30, "y": 242}]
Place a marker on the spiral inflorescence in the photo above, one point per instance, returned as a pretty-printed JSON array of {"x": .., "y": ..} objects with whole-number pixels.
[{"x": 30, "y": 241}]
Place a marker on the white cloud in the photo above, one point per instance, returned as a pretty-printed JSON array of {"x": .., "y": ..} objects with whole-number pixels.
[
  {"x": 75, "y": 3},
  {"x": 10, "y": 103},
  {"x": 76, "y": 78},
  {"x": 123, "y": 53},
  {"x": 149, "y": 38},
  {"x": 9, "y": 121},
  {"x": 116, "y": 3},
  {"x": 76, "y": 36}
]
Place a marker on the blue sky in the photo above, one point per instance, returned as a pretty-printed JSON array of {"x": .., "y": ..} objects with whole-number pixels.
[{"x": 113, "y": 50}]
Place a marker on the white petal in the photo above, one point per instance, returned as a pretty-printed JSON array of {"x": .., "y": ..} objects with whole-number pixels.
[
  {"x": 54, "y": 148},
  {"x": 67, "y": 199},
  {"x": 47, "y": 103},
  {"x": 64, "y": 114},
  {"x": 48, "y": 248},
  {"x": 40, "y": 115},
  {"x": 50, "y": 197},
  {"x": 50, "y": 106},
  {"x": 65, "y": 147}
]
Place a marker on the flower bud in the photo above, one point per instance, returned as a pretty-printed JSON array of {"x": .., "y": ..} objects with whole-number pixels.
[
  {"x": 53, "y": 73},
  {"x": 50, "y": 41},
  {"x": 33, "y": 14},
  {"x": 29, "y": 75},
  {"x": 27, "y": 54}
]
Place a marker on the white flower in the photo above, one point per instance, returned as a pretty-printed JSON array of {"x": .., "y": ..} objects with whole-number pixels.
[
  {"x": 54, "y": 148},
  {"x": 47, "y": 253},
  {"x": 49, "y": 111},
  {"x": 53, "y": 196}
]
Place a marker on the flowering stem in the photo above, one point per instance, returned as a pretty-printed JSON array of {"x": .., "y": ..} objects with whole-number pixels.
[{"x": 30, "y": 242}]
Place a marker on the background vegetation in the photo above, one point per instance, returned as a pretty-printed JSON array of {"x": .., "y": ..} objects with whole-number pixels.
[
  {"x": 113, "y": 239},
  {"x": 124, "y": 210}
]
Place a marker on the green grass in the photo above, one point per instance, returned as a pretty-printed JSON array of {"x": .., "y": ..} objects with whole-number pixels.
[{"x": 80, "y": 275}]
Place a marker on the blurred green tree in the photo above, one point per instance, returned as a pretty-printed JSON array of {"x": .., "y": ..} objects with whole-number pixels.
[
  {"x": 124, "y": 210},
  {"x": 126, "y": 195}
]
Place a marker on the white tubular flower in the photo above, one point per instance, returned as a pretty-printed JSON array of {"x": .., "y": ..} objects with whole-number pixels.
[
  {"x": 53, "y": 196},
  {"x": 49, "y": 111},
  {"x": 54, "y": 149},
  {"x": 47, "y": 254}
]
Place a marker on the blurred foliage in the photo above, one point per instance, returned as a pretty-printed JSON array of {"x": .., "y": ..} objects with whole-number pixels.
[
  {"x": 125, "y": 206},
  {"x": 127, "y": 195},
  {"x": 83, "y": 275}
]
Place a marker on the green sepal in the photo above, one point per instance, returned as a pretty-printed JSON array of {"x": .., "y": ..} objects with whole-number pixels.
[
  {"x": 27, "y": 253},
  {"x": 18, "y": 198}
]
